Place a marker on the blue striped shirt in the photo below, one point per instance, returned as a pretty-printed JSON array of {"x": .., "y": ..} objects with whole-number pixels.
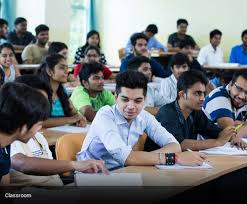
[{"x": 218, "y": 104}]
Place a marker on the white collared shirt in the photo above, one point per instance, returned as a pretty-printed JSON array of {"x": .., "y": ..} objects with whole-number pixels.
[
  {"x": 111, "y": 137},
  {"x": 168, "y": 89},
  {"x": 209, "y": 56}
]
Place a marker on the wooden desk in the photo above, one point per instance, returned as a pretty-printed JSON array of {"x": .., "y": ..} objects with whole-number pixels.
[
  {"x": 185, "y": 178},
  {"x": 35, "y": 66},
  {"x": 52, "y": 136},
  {"x": 224, "y": 67}
]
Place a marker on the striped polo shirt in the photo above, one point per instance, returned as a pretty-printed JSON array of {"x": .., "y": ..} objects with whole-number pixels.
[{"x": 218, "y": 104}]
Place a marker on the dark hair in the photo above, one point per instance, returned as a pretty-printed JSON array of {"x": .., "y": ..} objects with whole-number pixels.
[
  {"x": 179, "y": 59},
  {"x": 2, "y": 77},
  {"x": 3, "y": 22},
  {"x": 136, "y": 37},
  {"x": 215, "y": 32},
  {"x": 88, "y": 69},
  {"x": 35, "y": 82},
  {"x": 182, "y": 20},
  {"x": 56, "y": 47},
  {"x": 131, "y": 79},
  {"x": 7, "y": 45},
  {"x": 189, "y": 78},
  {"x": 21, "y": 105},
  {"x": 152, "y": 28},
  {"x": 50, "y": 62},
  {"x": 19, "y": 20},
  {"x": 185, "y": 43},
  {"x": 242, "y": 73},
  {"x": 136, "y": 62},
  {"x": 244, "y": 33},
  {"x": 41, "y": 28},
  {"x": 89, "y": 35},
  {"x": 91, "y": 47}
]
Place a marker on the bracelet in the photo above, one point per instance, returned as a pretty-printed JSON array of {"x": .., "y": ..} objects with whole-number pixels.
[
  {"x": 170, "y": 158},
  {"x": 160, "y": 158}
]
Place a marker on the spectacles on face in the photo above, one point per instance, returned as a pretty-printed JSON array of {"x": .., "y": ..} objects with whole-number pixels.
[{"x": 240, "y": 89}]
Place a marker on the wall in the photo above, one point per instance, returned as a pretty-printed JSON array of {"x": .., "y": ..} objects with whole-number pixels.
[{"x": 118, "y": 19}]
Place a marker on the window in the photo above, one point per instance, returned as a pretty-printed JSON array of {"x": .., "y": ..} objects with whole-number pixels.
[{"x": 79, "y": 25}]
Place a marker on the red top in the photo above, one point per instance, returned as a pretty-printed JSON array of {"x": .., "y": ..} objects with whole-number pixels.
[{"x": 106, "y": 71}]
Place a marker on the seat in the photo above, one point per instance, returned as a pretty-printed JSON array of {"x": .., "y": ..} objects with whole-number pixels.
[
  {"x": 67, "y": 147},
  {"x": 139, "y": 146},
  {"x": 121, "y": 53}
]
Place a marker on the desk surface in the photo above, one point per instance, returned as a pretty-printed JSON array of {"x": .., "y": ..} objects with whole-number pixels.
[
  {"x": 52, "y": 136},
  {"x": 35, "y": 66},
  {"x": 224, "y": 67}
]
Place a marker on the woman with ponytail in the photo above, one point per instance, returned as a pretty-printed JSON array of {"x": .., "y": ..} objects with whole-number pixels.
[{"x": 54, "y": 71}]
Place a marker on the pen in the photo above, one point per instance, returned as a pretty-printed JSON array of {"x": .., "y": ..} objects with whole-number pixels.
[
  {"x": 238, "y": 126},
  {"x": 189, "y": 150}
]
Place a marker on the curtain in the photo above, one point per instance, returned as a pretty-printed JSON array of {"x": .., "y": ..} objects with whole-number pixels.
[
  {"x": 92, "y": 15},
  {"x": 8, "y": 12}
]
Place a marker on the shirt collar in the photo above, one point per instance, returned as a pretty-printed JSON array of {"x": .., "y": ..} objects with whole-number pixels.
[
  {"x": 173, "y": 78},
  {"x": 212, "y": 48},
  {"x": 180, "y": 114}
]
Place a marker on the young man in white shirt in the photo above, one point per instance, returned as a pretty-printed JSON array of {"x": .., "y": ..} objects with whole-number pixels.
[
  {"x": 212, "y": 54},
  {"x": 124, "y": 123},
  {"x": 168, "y": 87},
  {"x": 33, "y": 162}
]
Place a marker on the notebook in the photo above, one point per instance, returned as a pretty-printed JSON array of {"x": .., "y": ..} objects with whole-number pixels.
[
  {"x": 114, "y": 179},
  {"x": 70, "y": 129},
  {"x": 205, "y": 165}
]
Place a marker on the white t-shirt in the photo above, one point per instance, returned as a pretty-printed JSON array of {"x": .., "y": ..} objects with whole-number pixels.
[{"x": 209, "y": 56}]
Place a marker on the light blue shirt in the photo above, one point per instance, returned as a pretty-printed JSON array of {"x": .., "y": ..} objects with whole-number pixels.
[
  {"x": 152, "y": 43},
  {"x": 238, "y": 55},
  {"x": 111, "y": 138}
]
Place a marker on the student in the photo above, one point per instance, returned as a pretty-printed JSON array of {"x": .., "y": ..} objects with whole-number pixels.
[
  {"x": 176, "y": 38},
  {"x": 54, "y": 71},
  {"x": 139, "y": 45},
  {"x": 124, "y": 123},
  {"x": 93, "y": 39},
  {"x": 227, "y": 105},
  {"x": 58, "y": 48},
  {"x": 22, "y": 112},
  {"x": 62, "y": 49},
  {"x": 20, "y": 37},
  {"x": 91, "y": 95},
  {"x": 153, "y": 43},
  {"x": 142, "y": 64},
  {"x": 238, "y": 53},
  {"x": 212, "y": 54},
  {"x": 184, "y": 118},
  {"x": 168, "y": 86},
  {"x": 7, "y": 60},
  {"x": 34, "y": 53},
  {"x": 3, "y": 31},
  {"x": 33, "y": 163},
  {"x": 92, "y": 55}
]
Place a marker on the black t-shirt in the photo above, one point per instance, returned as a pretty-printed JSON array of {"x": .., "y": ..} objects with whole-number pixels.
[
  {"x": 4, "y": 161},
  {"x": 175, "y": 41},
  {"x": 26, "y": 39},
  {"x": 171, "y": 118}
]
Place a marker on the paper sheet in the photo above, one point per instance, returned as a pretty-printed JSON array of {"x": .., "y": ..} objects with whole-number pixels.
[
  {"x": 205, "y": 165},
  {"x": 70, "y": 129}
]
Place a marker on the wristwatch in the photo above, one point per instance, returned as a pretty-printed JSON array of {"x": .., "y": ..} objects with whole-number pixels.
[{"x": 170, "y": 158}]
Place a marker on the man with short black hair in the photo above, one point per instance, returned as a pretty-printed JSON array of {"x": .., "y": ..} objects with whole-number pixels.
[
  {"x": 3, "y": 31},
  {"x": 227, "y": 105},
  {"x": 34, "y": 53},
  {"x": 22, "y": 112},
  {"x": 185, "y": 120},
  {"x": 91, "y": 95},
  {"x": 176, "y": 38},
  {"x": 20, "y": 37},
  {"x": 113, "y": 139},
  {"x": 239, "y": 52},
  {"x": 153, "y": 43},
  {"x": 139, "y": 43}
]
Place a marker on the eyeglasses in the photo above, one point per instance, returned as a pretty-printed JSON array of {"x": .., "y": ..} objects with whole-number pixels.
[{"x": 240, "y": 89}]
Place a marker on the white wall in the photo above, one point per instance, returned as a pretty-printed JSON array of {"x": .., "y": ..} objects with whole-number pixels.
[{"x": 118, "y": 19}]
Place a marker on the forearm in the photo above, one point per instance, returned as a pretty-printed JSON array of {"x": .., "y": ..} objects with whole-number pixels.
[
  {"x": 140, "y": 158},
  {"x": 152, "y": 110},
  {"x": 242, "y": 132},
  {"x": 197, "y": 145},
  {"x": 88, "y": 112},
  {"x": 40, "y": 166},
  {"x": 53, "y": 122}
]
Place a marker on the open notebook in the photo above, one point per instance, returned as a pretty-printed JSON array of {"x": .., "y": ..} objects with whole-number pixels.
[
  {"x": 205, "y": 165},
  {"x": 227, "y": 149},
  {"x": 70, "y": 129}
]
